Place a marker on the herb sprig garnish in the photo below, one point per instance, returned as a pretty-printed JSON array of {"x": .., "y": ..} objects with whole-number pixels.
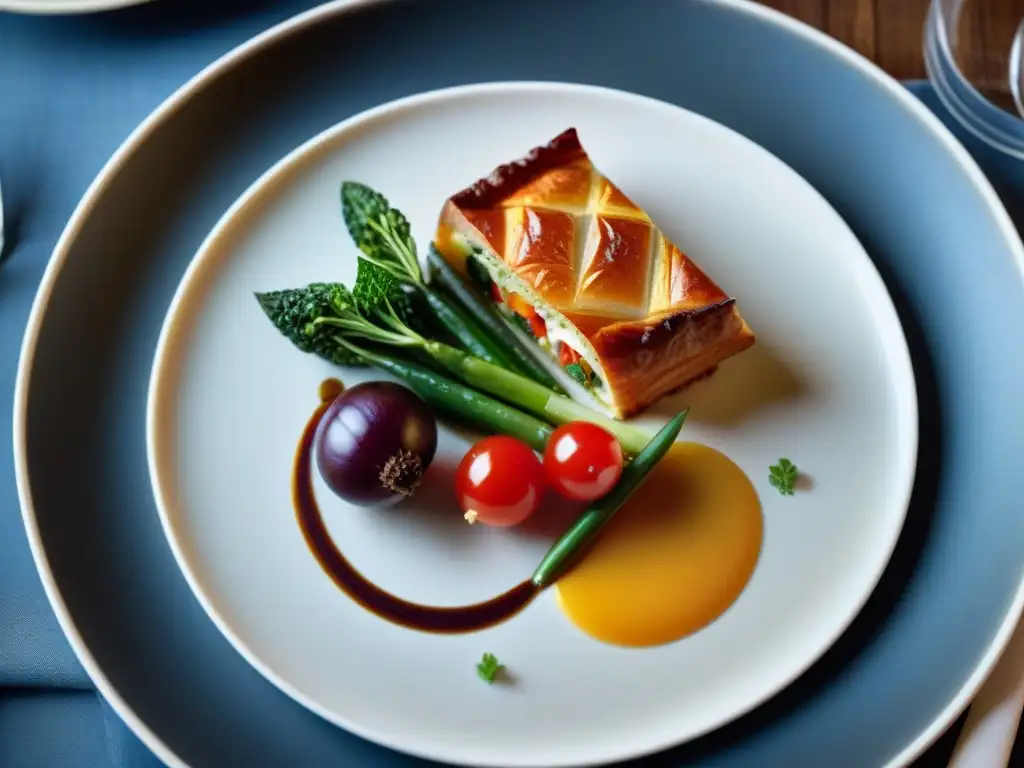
[
  {"x": 489, "y": 668},
  {"x": 381, "y": 232},
  {"x": 383, "y": 235},
  {"x": 783, "y": 476},
  {"x": 298, "y": 314}
]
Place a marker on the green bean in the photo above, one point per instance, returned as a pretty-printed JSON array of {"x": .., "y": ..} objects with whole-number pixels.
[
  {"x": 566, "y": 551},
  {"x": 464, "y": 329},
  {"x": 462, "y": 403}
]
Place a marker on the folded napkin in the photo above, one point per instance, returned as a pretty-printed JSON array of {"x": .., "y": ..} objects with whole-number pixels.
[
  {"x": 993, "y": 723},
  {"x": 72, "y": 90}
]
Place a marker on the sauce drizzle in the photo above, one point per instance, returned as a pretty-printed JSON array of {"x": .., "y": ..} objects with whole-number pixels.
[
  {"x": 330, "y": 389},
  {"x": 425, "y": 618}
]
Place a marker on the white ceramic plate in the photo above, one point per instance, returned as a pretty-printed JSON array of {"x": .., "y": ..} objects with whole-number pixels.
[
  {"x": 48, "y": 7},
  {"x": 829, "y": 384}
]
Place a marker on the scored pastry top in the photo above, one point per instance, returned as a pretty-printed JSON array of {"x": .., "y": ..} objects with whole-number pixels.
[{"x": 578, "y": 240}]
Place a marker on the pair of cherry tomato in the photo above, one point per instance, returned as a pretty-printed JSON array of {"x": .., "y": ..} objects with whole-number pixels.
[{"x": 500, "y": 481}]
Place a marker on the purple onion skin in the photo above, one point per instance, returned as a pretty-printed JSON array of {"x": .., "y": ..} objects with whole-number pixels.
[{"x": 369, "y": 429}]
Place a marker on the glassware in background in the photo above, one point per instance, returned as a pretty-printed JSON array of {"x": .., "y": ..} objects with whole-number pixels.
[
  {"x": 974, "y": 61},
  {"x": 1017, "y": 68}
]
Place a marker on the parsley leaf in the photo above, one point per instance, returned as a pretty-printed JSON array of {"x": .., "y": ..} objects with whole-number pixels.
[
  {"x": 489, "y": 668},
  {"x": 576, "y": 372},
  {"x": 783, "y": 476}
]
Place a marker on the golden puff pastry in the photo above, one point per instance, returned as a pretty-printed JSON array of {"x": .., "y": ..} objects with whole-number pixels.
[{"x": 600, "y": 287}]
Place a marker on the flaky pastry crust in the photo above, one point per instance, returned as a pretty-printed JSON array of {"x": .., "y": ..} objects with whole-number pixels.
[{"x": 654, "y": 319}]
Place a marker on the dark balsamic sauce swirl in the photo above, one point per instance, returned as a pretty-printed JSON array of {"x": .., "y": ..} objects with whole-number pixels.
[{"x": 425, "y": 618}]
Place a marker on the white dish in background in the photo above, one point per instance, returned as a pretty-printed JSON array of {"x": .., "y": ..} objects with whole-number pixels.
[
  {"x": 52, "y": 7},
  {"x": 829, "y": 384}
]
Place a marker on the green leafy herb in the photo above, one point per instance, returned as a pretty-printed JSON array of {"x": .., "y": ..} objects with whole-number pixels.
[
  {"x": 295, "y": 312},
  {"x": 576, "y": 372},
  {"x": 359, "y": 205},
  {"x": 383, "y": 235},
  {"x": 411, "y": 310},
  {"x": 489, "y": 668},
  {"x": 377, "y": 291},
  {"x": 373, "y": 286},
  {"x": 595, "y": 380},
  {"x": 381, "y": 232},
  {"x": 783, "y": 476}
]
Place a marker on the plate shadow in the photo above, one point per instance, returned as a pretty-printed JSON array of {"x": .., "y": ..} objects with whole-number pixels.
[{"x": 726, "y": 398}]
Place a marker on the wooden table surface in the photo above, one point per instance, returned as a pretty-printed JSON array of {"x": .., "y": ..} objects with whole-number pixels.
[{"x": 890, "y": 32}]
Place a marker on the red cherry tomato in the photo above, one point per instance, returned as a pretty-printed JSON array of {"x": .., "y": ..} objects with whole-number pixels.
[
  {"x": 583, "y": 461},
  {"x": 499, "y": 482}
]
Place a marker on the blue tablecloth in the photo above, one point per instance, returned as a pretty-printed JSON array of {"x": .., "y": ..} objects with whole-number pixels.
[{"x": 71, "y": 90}]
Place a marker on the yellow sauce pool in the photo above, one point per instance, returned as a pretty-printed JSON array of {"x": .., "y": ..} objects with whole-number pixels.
[{"x": 673, "y": 558}]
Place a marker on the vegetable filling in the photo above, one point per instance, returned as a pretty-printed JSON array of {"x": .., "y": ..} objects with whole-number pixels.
[{"x": 526, "y": 317}]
